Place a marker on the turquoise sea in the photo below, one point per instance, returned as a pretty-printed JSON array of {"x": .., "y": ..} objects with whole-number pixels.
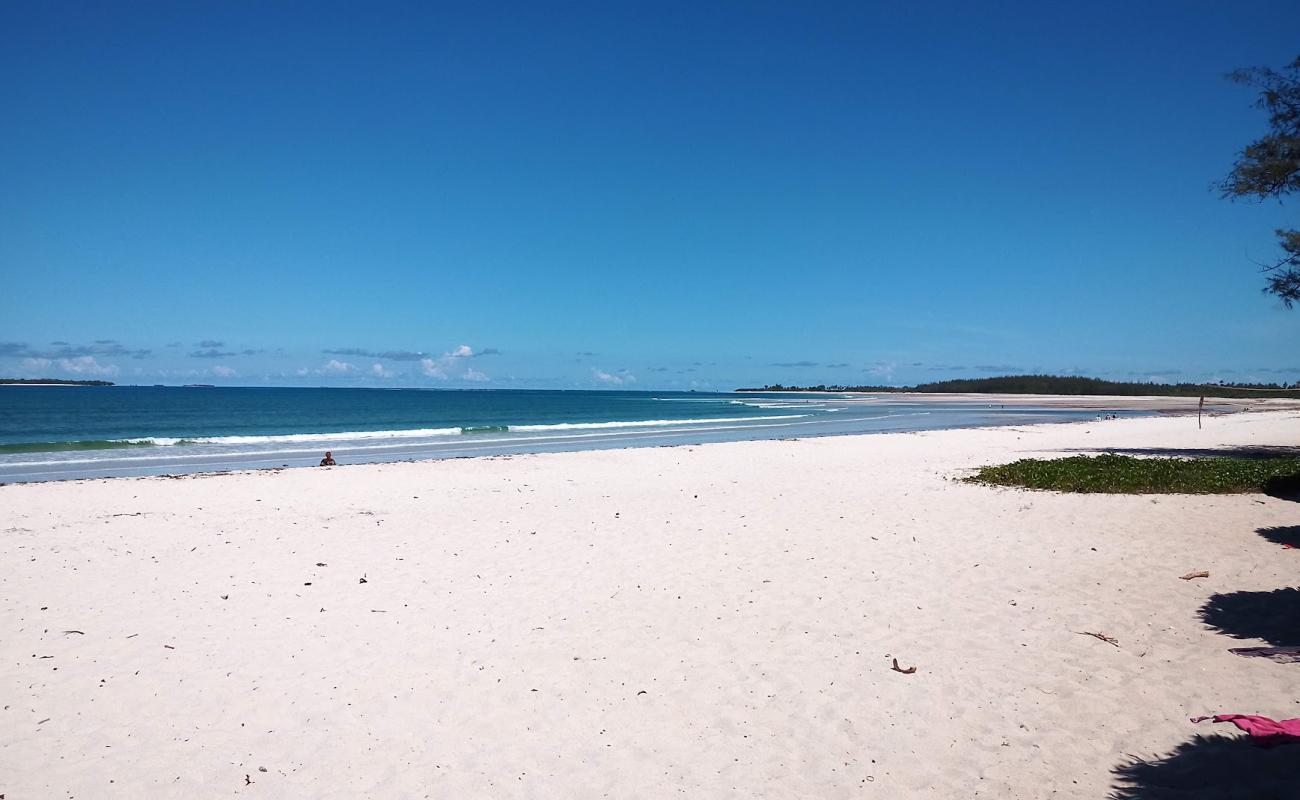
[{"x": 57, "y": 432}]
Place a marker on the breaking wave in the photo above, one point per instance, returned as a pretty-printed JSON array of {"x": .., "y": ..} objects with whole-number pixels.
[{"x": 360, "y": 436}]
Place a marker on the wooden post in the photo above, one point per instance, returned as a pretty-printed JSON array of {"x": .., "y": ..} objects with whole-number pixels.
[{"x": 1200, "y": 406}]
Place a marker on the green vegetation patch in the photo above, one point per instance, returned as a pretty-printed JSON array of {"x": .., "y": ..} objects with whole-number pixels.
[
  {"x": 53, "y": 381},
  {"x": 1114, "y": 474}
]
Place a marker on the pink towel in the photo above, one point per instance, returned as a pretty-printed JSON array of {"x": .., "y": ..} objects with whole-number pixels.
[{"x": 1261, "y": 729}]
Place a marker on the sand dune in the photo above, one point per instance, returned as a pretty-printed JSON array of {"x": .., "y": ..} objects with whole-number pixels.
[{"x": 704, "y": 621}]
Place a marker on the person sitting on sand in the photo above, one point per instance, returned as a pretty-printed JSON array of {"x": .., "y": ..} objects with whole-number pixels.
[{"x": 328, "y": 460}]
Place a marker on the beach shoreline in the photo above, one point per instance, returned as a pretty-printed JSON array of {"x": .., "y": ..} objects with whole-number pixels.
[
  {"x": 1083, "y": 401},
  {"x": 171, "y": 442},
  {"x": 712, "y": 619}
]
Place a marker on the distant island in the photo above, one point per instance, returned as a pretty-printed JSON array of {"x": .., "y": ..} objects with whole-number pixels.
[
  {"x": 1060, "y": 384},
  {"x": 50, "y": 382}
]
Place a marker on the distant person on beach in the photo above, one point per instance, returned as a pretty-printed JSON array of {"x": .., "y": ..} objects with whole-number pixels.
[{"x": 328, "y": 460}]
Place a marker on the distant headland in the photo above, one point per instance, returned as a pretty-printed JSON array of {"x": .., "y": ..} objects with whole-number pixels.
[
  {"x": 50, "y": 382},
  {"x": 1061, "y": 384}
]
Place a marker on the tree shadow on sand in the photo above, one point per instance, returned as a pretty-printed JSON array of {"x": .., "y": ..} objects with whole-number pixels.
[
  {"x": 1272, "y": 616},
  {"x": 1282, "y": 535},
  {"x": 1212, "y": 768},
  {"x": 1286, "y": 487}
]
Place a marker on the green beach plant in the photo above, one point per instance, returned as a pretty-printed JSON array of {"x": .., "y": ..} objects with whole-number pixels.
[{"x": 1121, "y": 474}]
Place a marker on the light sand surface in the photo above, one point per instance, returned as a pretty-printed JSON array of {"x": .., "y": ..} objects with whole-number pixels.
[{"x": 702, "y": 621}]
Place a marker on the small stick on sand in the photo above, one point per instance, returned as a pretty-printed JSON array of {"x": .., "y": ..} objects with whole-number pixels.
[
  {"x": 1102, "y": 636},
  {"x": 897, "y": 668},
  {"x": 1190, "y": 575}
]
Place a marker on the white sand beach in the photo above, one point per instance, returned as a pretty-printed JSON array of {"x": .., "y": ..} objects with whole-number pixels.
[{"x": 698, "y": 621}]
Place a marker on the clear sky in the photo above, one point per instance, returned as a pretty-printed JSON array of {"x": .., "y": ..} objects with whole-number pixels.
[{"x": 634, "y": 195}]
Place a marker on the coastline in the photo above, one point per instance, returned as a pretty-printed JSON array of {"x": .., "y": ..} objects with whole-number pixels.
[
  {"x": 129, "y": 447},
  {"x": 1163, "y": 403},
  {"x": 711, "y": 619}
]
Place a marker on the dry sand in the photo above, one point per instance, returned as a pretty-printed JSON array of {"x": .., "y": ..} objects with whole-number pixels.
[{"x": 703, "y": 621}]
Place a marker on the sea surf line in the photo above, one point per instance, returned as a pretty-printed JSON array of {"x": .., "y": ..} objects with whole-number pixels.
[
  {"x": 349, "y": 436},
  {"x": 477, "y": 443}
]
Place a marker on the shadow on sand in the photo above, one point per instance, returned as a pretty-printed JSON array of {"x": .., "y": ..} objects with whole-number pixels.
[
  {"x": 1213, "y": 768},
  {"x": 1282, "y": 535},
  {"x": 1284, "y": 488},
  {"x": 1272, "y": 616}
]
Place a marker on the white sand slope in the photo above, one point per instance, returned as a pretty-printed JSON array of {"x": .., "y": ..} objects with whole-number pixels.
[{"x": 708, "y": 621}]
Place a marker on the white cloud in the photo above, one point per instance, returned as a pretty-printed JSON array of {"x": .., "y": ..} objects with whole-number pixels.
[
  {"x": 331, "y": 367},
  {"x": 36, "y": 363},
  {"x": 439, "y": 367},
  {"x": 613, "y": 380},
  {"x": 474, "y": 375},
  {"x": 379, "y": 371},
  {"x": 432, "y": 368},
  {"x": 222, "y": 371},
  {"x": 86, "y": 365},
  {"x": 882, "y": 369}
]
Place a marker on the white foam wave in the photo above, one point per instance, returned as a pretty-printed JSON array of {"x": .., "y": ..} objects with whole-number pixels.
[
  {"x": 426, "y": 433},
  {"x": 651, "y": 423},
  {"x": 468, "y": 443},
  {"x": 289, "y": 438}
]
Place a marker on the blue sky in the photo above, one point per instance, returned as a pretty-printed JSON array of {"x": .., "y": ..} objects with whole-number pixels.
[{"x": 633, "y": 195}]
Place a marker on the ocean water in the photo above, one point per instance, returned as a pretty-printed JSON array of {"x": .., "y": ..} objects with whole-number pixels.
[{"x": 59, "y": 432}]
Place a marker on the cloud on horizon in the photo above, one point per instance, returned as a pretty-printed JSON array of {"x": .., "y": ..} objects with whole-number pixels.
[
  {"x": 101, "y": 348},
  {"x": 214, "y": 353},
  {"x": 389, "y": 355},
  {"x": 464, "y": 351},
  {"x": 881, "y": 369},
  {"x": 79, "y": 365},
  {"x": 331, "y": 367},
  {"x": 621, "y": 379},
  {"x": 442, "y": 366}
]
